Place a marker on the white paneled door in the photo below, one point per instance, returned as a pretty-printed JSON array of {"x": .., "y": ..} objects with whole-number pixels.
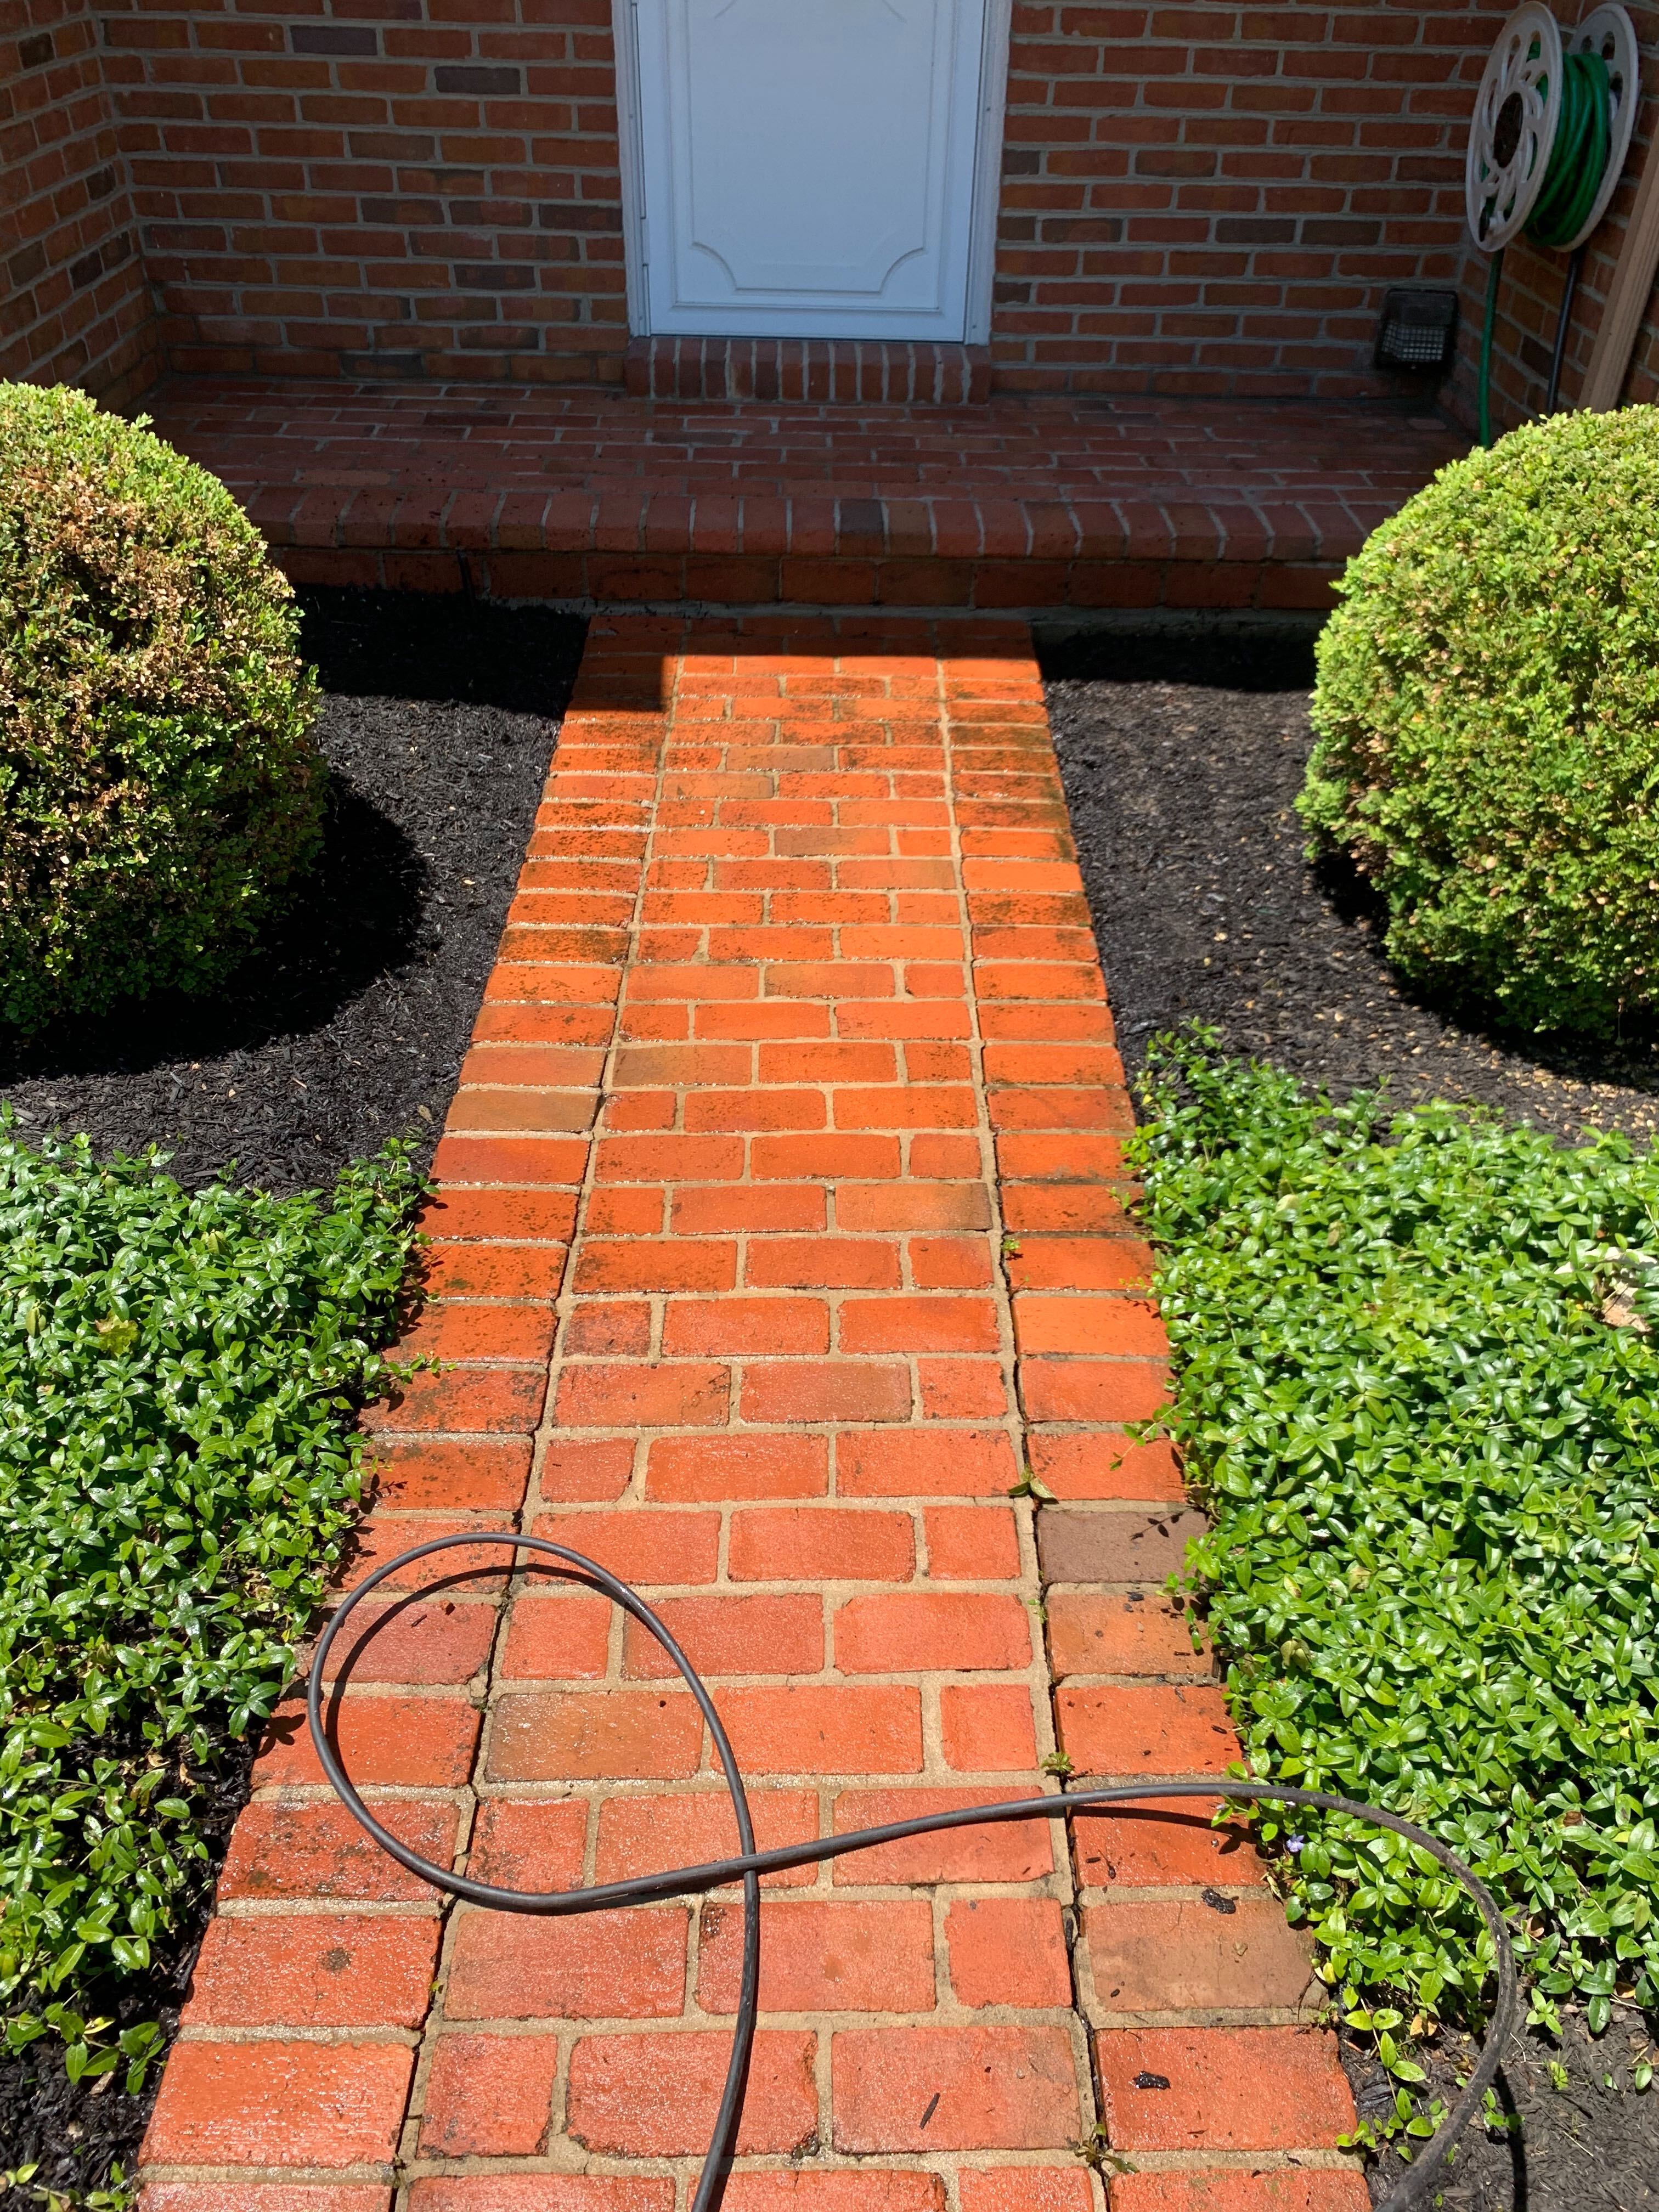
[{"x": 808, "y": 166}]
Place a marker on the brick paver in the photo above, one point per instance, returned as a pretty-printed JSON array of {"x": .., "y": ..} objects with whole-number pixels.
[
  {"x": 1022, "y": 503},
  {"x": 780, "y": 1225}
]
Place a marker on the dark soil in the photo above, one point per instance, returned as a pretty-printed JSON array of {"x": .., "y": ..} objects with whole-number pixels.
[
  {"x": 345, "y": 1027},
  {"x": 1181, "y": 760},
  {"x": 1580, "y": 2141},
  {"x": 75, "y": 2132}
]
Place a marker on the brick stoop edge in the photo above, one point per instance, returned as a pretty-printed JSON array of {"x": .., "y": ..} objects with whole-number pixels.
[
  {"x": 598, "y": 499},
  {"x": 779, "y": 1220}
]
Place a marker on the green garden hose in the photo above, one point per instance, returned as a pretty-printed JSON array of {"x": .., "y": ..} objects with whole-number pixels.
[
  {"x": 1578, "y": 159},
  {"x": 1572, "y": 178}
]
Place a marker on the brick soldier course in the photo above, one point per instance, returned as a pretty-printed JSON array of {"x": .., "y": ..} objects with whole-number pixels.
[{"x": 780, "y": 1224}]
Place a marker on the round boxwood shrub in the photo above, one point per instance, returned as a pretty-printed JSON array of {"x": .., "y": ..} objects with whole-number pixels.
[
  {"x": 1488, "y": 714},
  {"x": 158, "y": 784}
]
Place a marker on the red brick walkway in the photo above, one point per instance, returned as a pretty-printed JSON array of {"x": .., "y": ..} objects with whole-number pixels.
[
  {"x": 780, "y": 1225},
  {"x": 1050, "y": 504}
]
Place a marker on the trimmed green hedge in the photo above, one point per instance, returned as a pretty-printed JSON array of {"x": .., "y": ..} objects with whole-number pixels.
[
  {"x": 1488, "y": 720},
  {"x": 159, "y": 789},
  {"x": 179, "y": 1470},
  {"x": 1418, "y": 1391}
]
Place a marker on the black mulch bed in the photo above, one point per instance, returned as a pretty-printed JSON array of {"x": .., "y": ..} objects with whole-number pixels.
[
  {"x": 1181, "y": 758},
  {"x": 1581, "y": 2140},
  {"x": 348, "y": 1023},
  {"x": 347, "y": 1027}
]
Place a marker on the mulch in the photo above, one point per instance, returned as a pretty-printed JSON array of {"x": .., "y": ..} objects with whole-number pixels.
[
  {"x": 347, "y": 1027},
  {"x": 1181, "y": 759},
  {"x": 1576, "y": 2139}
]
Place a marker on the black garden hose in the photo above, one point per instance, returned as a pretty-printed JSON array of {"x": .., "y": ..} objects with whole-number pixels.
[
  {"x": 750, "y": 1864},
  {"x": 1563, "y": 317}
]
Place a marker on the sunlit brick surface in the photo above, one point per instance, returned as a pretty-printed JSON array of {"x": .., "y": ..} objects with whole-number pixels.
[{"x": 780, "y": 1225}]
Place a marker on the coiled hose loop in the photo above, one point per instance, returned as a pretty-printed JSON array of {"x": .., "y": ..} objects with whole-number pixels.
[
  {"x": 750, "y": 1864},
  {"x": 1573, "y": 176},
  {"x": 1578, "y": 158}
]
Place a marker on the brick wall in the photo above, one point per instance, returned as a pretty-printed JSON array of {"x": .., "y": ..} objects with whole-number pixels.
[
  {"x": 1213, "y": 198},
  {"x": 1207, "y": 197},
  {"x": 1529, "y": 299},
  {"x": 74, "y": 305},
  {"x": 418, "y": 187}
]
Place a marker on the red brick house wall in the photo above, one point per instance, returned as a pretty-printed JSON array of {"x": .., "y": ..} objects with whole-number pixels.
[
  {"x": 1208, "y": 198},
  {"x": 74, "y": 306},
  {"x": 1214, "y": 198},
  {"x": 396, "y": 186},
  {"x": 1533, "y": 279}
]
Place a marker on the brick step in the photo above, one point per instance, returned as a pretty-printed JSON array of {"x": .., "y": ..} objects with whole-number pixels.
[
  {"x": 1015, "y": 506},
  {"x": 907, "y": 372}
]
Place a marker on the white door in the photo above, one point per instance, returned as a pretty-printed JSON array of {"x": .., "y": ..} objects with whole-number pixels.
[{"x": 808, "y": 165}]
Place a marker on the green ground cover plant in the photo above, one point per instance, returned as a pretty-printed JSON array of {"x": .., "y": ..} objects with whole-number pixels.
[
  {"x": 1487, "y": 711},
  {"x": 159, "y": 790},
  {"x": 1417, "y": 1392},
  {"x": 178, "y": 1472}
]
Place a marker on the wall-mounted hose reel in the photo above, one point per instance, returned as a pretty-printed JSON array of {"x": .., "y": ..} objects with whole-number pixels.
[
  {"x": 1525, "y": 170},
  {"x": 1548, "y": 144}
]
